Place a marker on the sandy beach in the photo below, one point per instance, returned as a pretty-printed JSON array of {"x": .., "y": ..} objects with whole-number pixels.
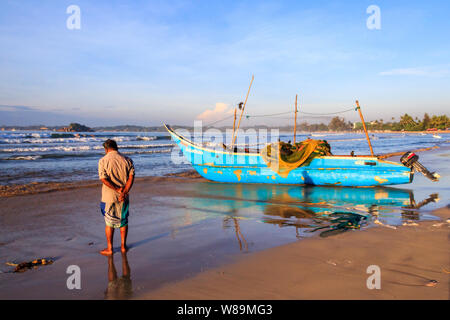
[
  {"x": 411, "y": 259},
  {"x": 194, "y": 239}
]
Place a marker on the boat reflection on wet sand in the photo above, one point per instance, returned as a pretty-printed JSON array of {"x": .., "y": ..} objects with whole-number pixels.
[{"x": 309, "y": 210}]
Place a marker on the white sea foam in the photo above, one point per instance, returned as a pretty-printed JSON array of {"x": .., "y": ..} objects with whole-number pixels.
[
  {"x": 146, "y": 138},
  {"x": 45, "y": 149},
  {"x": 146, "y": 146},
  {"x": 23, "y": 158},
  {"x": 80, "y": 148},
  {"x": 148, "y": 152},
  {"x": 47, "y": 139}
]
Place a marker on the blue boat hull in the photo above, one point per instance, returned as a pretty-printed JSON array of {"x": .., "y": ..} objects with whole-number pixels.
[{"x": 225, "y": 166}]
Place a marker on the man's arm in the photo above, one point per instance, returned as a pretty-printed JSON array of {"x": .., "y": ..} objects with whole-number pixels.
[
  {"x": 129, "y": 184},
  {"x": 110, "y": 184},
  {"x": 124, "y": 192}
]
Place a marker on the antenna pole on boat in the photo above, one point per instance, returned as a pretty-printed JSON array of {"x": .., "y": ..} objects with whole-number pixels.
[
  {"x": 295, "y": 123},
  {"x": 364, "y": 126},
  {"x": 242, "y": 112}
]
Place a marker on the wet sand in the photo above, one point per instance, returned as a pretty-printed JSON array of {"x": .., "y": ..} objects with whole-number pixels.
[
  {"x": 192, "y": 239},
  {"x": 44, "y": 187},
  {"x": 410, "y": 258}
]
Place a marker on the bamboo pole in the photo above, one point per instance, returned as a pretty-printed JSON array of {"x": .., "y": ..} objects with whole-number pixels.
[
  {"x": 242, "y": 112},
  {"x": 295, "y": 123},
  {"x": 364, "y": 126},
  {"x": 234, "y": 121},
  {"x": 388, "y": 155}
]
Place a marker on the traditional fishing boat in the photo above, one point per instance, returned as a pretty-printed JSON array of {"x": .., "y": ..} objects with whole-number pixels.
[
  {"x": 250, "y": 167},
  {"x": 309, "y": 162}
]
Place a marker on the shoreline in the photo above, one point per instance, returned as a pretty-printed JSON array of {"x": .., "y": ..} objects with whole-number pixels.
[
  {"x": 415, "y": 267},
  {"x": 46, "y": 187},
  {"x": 52, "y": 186}
]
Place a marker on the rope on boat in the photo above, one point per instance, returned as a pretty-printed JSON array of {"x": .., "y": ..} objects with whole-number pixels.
[
  {"x": 293, "y": 112},
  {"x": 269, "y": 115},
  {"x": 210, "y": 124},
  {"x": 273, "y": 115},
  {"x": 330, "y": 113}
]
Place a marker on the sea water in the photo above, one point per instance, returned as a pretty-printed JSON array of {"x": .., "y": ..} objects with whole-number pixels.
[{"x": 47, "y": 156}]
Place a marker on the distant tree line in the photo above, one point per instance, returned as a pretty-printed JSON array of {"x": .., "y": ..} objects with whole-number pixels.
[{"x": 408, "y": 123}]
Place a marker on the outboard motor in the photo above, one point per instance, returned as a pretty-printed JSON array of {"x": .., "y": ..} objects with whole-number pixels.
[{"x": 410, "y": 160}]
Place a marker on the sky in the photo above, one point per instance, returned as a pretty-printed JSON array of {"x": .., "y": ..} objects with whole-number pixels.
[{"x": 149, "y": 62}]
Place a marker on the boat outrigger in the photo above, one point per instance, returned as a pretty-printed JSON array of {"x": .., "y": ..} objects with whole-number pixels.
[{"x": 308, "y": 162}]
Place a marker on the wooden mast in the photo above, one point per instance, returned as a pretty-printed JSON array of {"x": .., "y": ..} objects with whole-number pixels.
[
  {"x": 295, "y": 123},
  {"x": 234, "y": 121},
  {"x": 364, "y": 126},
  {"x": 242, "y": 112}
]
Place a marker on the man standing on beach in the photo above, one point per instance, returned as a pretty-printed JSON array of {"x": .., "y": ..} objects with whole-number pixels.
[{"x": 117, "y": 174}]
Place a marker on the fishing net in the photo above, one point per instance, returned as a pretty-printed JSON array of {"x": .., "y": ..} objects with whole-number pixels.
[{"x": 283, "y": 157}]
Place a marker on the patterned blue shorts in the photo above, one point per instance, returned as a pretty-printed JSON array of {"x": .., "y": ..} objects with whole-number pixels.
[{"x": 115, "y": 213}]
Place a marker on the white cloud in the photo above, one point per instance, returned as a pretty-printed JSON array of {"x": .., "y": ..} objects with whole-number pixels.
[
  {"x": 220, "y": 111},
  {"x": 430, "y": 71}
]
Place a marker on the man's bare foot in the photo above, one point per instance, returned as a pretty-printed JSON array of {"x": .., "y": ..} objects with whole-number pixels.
[
  {"x": 124, "y": 249},
  {"x": 106, "y": 252}
]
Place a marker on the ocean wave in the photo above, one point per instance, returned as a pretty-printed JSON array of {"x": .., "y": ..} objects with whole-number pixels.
[
  {"x": 46, "y": 149},
  {"x": 81, "y": 148},
  {"x": 151, "y": 138},
  {"x": 71, "y": 138},
  {"x": 146, "y": 146},
  {"x": 22, "y": 158},
  {"x": 78, "y": 155},
  {"x": 29, "y": 135},
  {"x": 51, "y": 156},
  {"x": 49, "y": 140},
  {"x": 148, "y": 152},
  {"x": 145, "y": 138},
  {"x": 63, "y": 135}
]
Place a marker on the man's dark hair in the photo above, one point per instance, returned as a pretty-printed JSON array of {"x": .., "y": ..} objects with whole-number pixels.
[{"x": 110, "y": 144}]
